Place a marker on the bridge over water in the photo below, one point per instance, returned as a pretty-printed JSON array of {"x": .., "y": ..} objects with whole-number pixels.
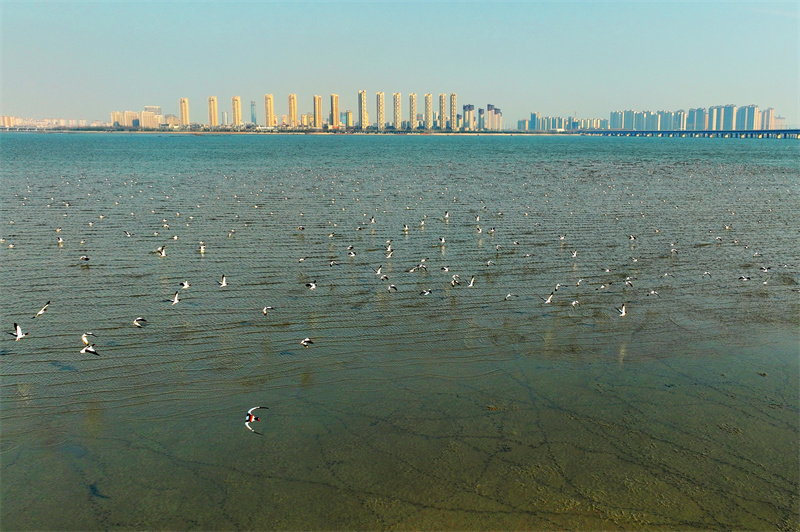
[{"x": 750, "y": 134}]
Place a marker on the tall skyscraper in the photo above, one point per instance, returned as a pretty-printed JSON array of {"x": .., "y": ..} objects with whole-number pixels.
[
  {"x": 184, "y": 111},
  {"x": 469, "y": 117},
  {"x": 442, "y": 111},
  {"x": 335, "y": 119},
  {"x": 269, "y": 109},
  {"x": 213, "y": 113},
  {"x": 453, "y": 112},
  {"x": 728, "y": 117},
  {"x": 236, "y": 103},
  {"x": 293, "y": 111},
  {"x": 398, "y": 119},
  {"x": 317, "y": 112},
  {"x": 381, "y": 111},
  {"x": 412, "y": 111},
  {"x": 428, "y": 111},
  {"x": 768, "y": 118},
  {"x": 363, "y": 117},
  {"x": 348, "y": 121},
  {"x": 253, "y": 119}
]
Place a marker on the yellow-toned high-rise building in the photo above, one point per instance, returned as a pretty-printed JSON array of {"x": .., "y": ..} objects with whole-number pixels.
[
  {"x": 363, "y": 116},
  {"x": 269, "y": 109},
  {"x": 334, "y": 121},
  {"x": 381, "y": 111},
  {"x": 236, "y": 103},
  {"x": 184, "y": 111},
  {"x": 453, "y": 112},
  {"x": 398, "y": 119},
  {"x": 293, "y": 111},
  {"x": 317, "y": 112},
  {"x": 442, "y": 111},
  {"x": 428, "y": 111},
  {"x": 213, "y": 112},
  {"x": 412, "y": 111}
]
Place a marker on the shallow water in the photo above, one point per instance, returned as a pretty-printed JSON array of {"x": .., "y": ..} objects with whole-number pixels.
[{"x": 459, "y": 409}]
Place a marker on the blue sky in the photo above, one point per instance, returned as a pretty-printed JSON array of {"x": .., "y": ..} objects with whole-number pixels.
[{"x": 71, "y": 59}]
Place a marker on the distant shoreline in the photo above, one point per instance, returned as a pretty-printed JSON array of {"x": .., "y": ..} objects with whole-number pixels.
[{"x": 793, "y": 134}]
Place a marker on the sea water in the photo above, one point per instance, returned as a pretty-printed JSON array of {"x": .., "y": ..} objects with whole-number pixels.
[{"x": 471, "y": 407}]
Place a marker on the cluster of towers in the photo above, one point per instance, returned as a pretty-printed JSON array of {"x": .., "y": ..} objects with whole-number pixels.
[{"x": 446, "y": 118}]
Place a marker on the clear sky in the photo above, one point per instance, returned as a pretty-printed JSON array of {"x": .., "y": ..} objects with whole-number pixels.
[{"x": 71, "y": 59}]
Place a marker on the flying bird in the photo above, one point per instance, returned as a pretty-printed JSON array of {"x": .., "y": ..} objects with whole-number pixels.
[
  {"x": 90, "y": 349},
  {"x": 18, "y": 333},
  {"x": 44, "y": 308},
  {"x": 249, "y": 418}
]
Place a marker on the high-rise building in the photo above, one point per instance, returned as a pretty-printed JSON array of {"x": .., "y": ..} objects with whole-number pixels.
[
  {"x": 453, "y": 112},
  {"x": 748, "y": 118},
  {"x": 293, "y": 111},
  {"x": 335, "y": 119},
  {"x": 317, "y": 112},
  {"x": 398, "y": 119},
  {"x": 381, "y": 111},
  {"x": 714, "y": 121},
  {"x": 236, "y": 103},
  {"x": 184, "y": 111},
  {"x": 348, "y": 120},
  {"x": 768, "y": 118},
  {"x": 469, "y": 117},
  {"x": 213, "y": 112},
  {"x": 363, "y": 117},
  {"x": 253, "y": 119},
  {"x": 148, "y": 120},
  {"x": 412, "y": 111},
  {"x": 428, "y": 111},
  {"x": 679, "y": 120},
  {"x": 442, "y": 111},
  {"x": 728, "y": 117},
  {"x": 269, "y": 110}
]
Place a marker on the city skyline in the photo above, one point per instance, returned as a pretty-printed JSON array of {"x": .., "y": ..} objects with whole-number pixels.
[
  {"x": 728, "y": 117},
  {"x": 586, "y": 58}
]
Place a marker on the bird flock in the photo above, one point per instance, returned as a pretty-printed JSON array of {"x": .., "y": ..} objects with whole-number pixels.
[{"x": 426, "y": 258}]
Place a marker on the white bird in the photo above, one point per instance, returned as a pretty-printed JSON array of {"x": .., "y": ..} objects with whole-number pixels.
[
  {"x": 202, "y": 247},
  {"x": 471, "y": 282},
  {"x": 426, "y": 292},
  {"x": 312, "y": 285},
  {"x": 185, "y": 284},
  {"x": 509, "y": 296},
  {"x": 175, "y": 299},
  {"x": 265, "y": 309},
  {"x": 622, "y": 311},
  {"x": 162, "y": 251},
  {"x": 90, "y": 349},
  {"x": 549, "y": 298},
  {"x": 223, "y": 282},
  {"x": 249, "y": 418},
  {"x": 378, "y": 271},
  {"x": 575, "y": 303},
  {"x": 44, "y": 308},
  {"x": 139, "y": 322},
  {"x": 18, "y": 333},
  {"x": 84, "y": 338},
  {"x": 392, "y": 287},
  {"x": 575, "y": 254},
  {"x": 305, "y": 342}
]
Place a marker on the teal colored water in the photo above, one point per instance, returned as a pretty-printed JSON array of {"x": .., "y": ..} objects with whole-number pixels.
[{"x": 461, "y": 409}]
